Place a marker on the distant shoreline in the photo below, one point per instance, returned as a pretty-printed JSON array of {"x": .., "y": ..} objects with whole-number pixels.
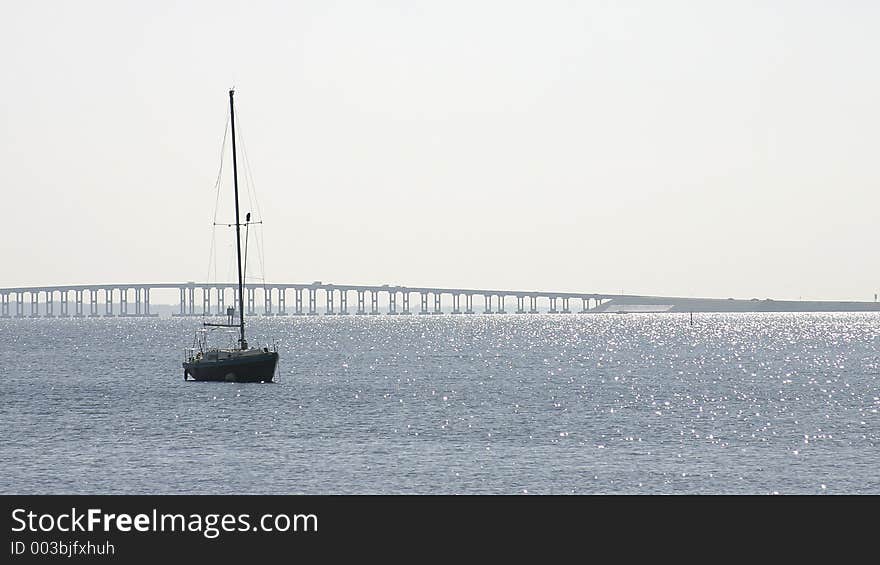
[{"x": 642, "y": 304}]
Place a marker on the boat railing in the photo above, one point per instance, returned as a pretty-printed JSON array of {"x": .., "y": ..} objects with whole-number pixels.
[{"x": 189, "y": 354}]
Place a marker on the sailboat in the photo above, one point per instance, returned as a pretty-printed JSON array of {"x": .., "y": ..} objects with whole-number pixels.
[{"x": 240, "y": 363}]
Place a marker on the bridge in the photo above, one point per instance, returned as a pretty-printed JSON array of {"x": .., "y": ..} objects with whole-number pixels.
[{"x": 208, "y": 299}]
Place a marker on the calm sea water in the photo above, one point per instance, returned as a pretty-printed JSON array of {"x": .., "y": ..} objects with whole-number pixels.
[{"x": 743, "y": 403}]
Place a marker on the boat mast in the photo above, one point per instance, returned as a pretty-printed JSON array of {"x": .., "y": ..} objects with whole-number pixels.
[{"x": 237, "y": 223}]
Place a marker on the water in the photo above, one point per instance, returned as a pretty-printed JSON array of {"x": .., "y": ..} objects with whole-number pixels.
[{"x": 636, "y": 404}]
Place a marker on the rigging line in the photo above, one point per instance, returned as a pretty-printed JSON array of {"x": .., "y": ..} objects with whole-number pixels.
[
  {"x": 260, "y": 258},
  {"x": 258, "y": 235},
  {"x": 259, "y": 250},
  {"x": 230, "y": 262},
  {"x": 220, "y": 171},
  {"x": 261, "y": 253},
  {"x": 254, "y": 202},
  {"x": 249, "y": 177},
  {"x": 246, "y": 230},
  {"x": 212, "y": 255},
  {"x": 251, "y": 187}
]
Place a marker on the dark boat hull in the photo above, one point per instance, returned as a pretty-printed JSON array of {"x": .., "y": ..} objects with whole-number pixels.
[{"x": 250, "y": 369}]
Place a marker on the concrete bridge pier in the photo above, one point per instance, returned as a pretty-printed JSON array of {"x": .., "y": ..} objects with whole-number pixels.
[
  {"x": 468, "y": 303},
  {"x": 63, "y": 294},
  {"x": 93, "y": 303},
  {"x": 406, "y": 310},
  {"x": 313, "y": 302},
  {"x": 456, "y": 302},
  {"x": 4, "y": 305},
  {"x": 35, "y": 304},
  {"x": 520, "y": 304},
  {"x": 328, "y": 301},
  {"x": 282, "y": 305},
  {"x": 123, "y": 302},
  {"x": 501, "y": 304},
  {"x": 565, "y": 308},
  {"x": 206, "y": 301},
  {"x": 533, "y": 304},
  {"x": 50, "y": 306},
  {"x": 250, "y": 302},
  {"x": 147, "y": 302},
  {"x": 108, "y": 302},
  {"x": 343, "y": 302},
  {"x": 267, "y": 301},
  {"x": 361, "y": 307},
  {"x": 487, "y": 302},
  {"x": 553, "y": 309},
  {"x": 586, "y": 305},
  {"x": 221, "y": 298},
  {"x": 181, "y": 312},
  {"x": 78, "y": 294},
  {"x": 437, "y": 306},
  {"x": 374, "y": 302},
  {"x": 19, "y": 305},
  {"x": 424, "y": 298},
  {"x": 392, "y": 303},
  {"x": 137, "y": 301},
  {"x": 298, "y": 301}
]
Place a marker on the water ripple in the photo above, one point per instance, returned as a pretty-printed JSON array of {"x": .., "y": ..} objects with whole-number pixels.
[{"x": 736, "y": 403}]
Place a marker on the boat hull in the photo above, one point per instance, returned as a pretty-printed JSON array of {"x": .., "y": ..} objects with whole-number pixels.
[{"x": 253, "y": 368}]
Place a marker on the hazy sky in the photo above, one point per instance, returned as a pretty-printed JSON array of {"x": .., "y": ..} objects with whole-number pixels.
[{"x": 684, "y": 148}]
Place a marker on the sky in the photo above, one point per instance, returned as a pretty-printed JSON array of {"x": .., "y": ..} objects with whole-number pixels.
[{"x": 684, "y": 148}]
